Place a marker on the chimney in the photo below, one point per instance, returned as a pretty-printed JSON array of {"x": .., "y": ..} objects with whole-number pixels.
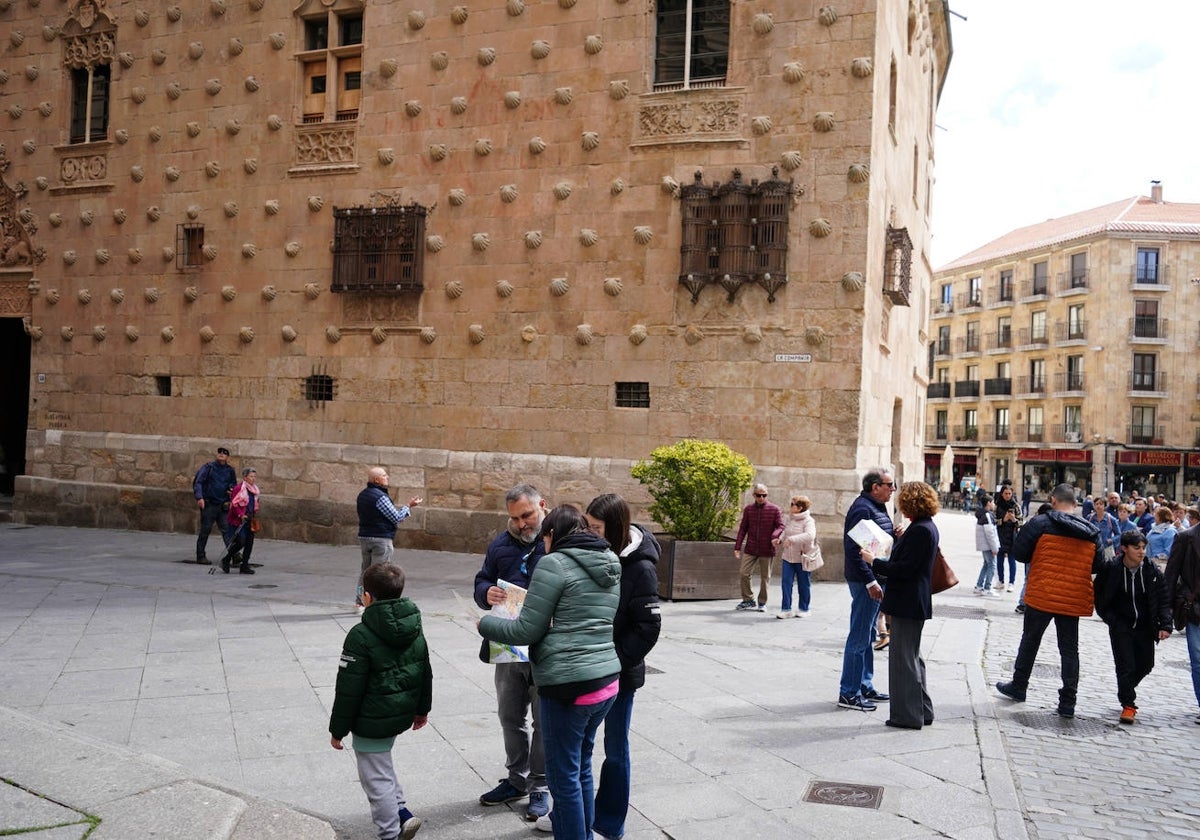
[{"x": 1156, "y": 192}]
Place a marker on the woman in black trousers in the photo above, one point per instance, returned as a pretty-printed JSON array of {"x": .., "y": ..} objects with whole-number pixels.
[{"x": 908, "y": 600}]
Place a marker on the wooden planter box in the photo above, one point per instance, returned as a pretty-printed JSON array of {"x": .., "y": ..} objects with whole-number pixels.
[{"x": 697, "y": 571}]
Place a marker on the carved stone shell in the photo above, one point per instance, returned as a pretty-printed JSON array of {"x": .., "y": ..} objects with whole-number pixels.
[
  {"x": 69, "y": 257},
  {"x": 278, "y": 40},
  {"x": 480, "y": 241},
  {"x": 752, "y": 334},
  {"x": 539, "y": 49},
  {"x": 271, "y": 206},
  {"x": 537, "y": 145},
  {"x": 269, "y": 293},
  {"x": 584, "y": 334},
  {"x": 167, "y": 334},
  {"x": 637, "y": 334},
  {"x": 823, "y": 121},
  {"x": 763, "y": 23},
  {"x": 458, "y": 105},
  {"x": 859, "y": 173},
  {"x": 229, "y": 292},
  {"x": 141, "y": 17},
  {"x": 172, "y": 173},
  {"x": 483, "y": 147},
  {"x": 159, "y": 56},
  {"x": 459, "y": 14},
  {"x": 761, "y": 125},
  {"x": 827, "y": 15},
  {"x": 195, "y": 50},
  {"x": 168, "y": 253},
  {"x": 120, "y": 215},
  {"x": 207, "y": 334},
  {"x": 43, "y": 183},
  {"x": 193, "y": 129},
  {"x": 116, "y": 295},
  {"x": 820, "y": 228},
  {"x": 512, "y": 99},
  {"x": 458, "y": 197},
  {"x": 562, "y": 190},
  {"x": 16, "y": 38},
  {"x": 593, "y": 44},
  {"x": 103, "y": 255},
  {"x": 693, "y": 334},
  {"x": 616, "y": 187},
  {"x": 793, "y": 72},
  {"x": 315, "y": 203},
  {"x": 86, "y": 217},
  {"x": 252, "y": 84},
  {"x": 509, "y": 193},
  {"x": 533, "y": 239},
  {"x": 486, "y": 56},
  {"x": 246, "y": 335},
  {"x": 476, "y": 334},
  {"x": 416, "y": 20},
  {"x": 134, "y": 255},
  {"x": 413, "y": 107},
  {"x": 559, "y": 286},
  {"x": 434, "y": 243},
  {"x": 514, "y": 7},
  {"x": 440, "y": 60},
  {"x": 388, "y": 67},
  {"x": 249, "y": 250},
  {"x": 563, "y": 95},
  {"x": 67, "y": 333},
  {"x": 212, "y": 87},
  {"x": 16, "y": 109},
  {"x": 428, "y": 335},
  {"x": 288, "y": 333},
  {"x": 613, "y": 286},
  {"x": 386, "y": 156},
  {"x": 122, "y": 136},
  {"x": 642, "y": 234},
  {"x": 52, "y": 296},
  {"x": 454, "y": 289},
  {"x": 312, "y": 291},
  {"x": 274, "y": 122},
  {"x": 56, "y": 219},
  {"x": 862, "y": 67},
  {"x": 618, "y": 89},
  {"x": 529, "y": 333},
  {"x": 669, "y": 185},
  {"x": 588, "y": 237},
  {"x": 853, "y": 281},
  {"x": 138, "y": 95},
  {"x": 438, "y": 151},
  {"x": 32, "y": 72},
  {"x": 590, "y": 140},
  {"x": 815, "y": 336},
  {"x": 212, "y": 169},
  {"x": 193, "y": 211},
  {"x": 131, "y": 333},
  {"x": 504, "y": 289},
  {"x": 230, "y": 209},
  {"x": 209, "y": 252},
  {"x": 152, "y": 294},
  {"x": 45, "y": 108},
  {"x": 379, "y": 335},
  {"x": 791, "y": 160},
  {"x": 126, "y": 58},
  {"x": 191, "y": 294},
  {"x": 236, "y": 46},
  {"x": 250, "y": 165},
  {"x": 567, "y": 4}
]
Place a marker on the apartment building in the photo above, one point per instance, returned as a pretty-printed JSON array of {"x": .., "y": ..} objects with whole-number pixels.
[{"x": 1060, "y": 353}]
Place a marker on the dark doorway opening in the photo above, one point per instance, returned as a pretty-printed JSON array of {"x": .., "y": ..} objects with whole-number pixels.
[{"x": 14, "y": 401}]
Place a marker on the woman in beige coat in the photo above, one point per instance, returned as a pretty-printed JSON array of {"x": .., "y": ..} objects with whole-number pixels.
[{"x": 797, "y": 542}]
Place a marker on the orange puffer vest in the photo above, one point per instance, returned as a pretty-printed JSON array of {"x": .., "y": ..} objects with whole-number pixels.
[{"x": 1062, "y": 559}]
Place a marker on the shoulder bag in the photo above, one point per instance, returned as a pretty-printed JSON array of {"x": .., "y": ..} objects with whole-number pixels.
[{"x": 943, "y": 576}]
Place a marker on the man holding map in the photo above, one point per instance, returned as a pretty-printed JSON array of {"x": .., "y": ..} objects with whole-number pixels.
[
  {"x": 511, "y": 558},
  {"x": 857, "y": 689}
]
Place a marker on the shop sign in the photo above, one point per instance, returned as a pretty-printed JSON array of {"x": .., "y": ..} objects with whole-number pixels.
[
  {"x": 1193, "y": 460},
  {"x": 1036, "y": 455},
  {"x": 1073, "y": 456},
  {"x": 1151, "y": 458}
]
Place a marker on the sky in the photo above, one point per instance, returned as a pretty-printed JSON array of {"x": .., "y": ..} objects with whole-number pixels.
[{"x": 1051, "y": 107}]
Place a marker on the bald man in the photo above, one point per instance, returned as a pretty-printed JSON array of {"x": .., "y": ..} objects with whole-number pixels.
[{"x": 377, "y": 522}]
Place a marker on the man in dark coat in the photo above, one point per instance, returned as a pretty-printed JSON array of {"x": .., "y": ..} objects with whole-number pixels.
[
  {"x": 762, "y": 522},
  {"x": 211, "y": 488}
]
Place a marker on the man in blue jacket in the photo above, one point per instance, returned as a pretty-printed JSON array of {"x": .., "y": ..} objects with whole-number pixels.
[
  {"x": 211, "y": 488},
  {"x": 857, "y": 689},
  {"x": 378, "y": 519}
]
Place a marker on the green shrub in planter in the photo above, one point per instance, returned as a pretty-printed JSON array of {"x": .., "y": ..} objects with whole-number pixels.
[{"x": 696, "y": 486}]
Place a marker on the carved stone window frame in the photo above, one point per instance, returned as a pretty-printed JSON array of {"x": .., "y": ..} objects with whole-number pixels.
[{"x": 333, "y": 56}]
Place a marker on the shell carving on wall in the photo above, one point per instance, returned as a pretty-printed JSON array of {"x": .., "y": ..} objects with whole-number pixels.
[
  {"x": 761, "y": 125},
  {"x": 486, "y": 56},
  {"x": 509, "y": 193},
  {"x": 207, "y": 334},
  {"x": 752, "y": 334},
  {"x": 440, "y": 60},
  {"x": 618, "y": 89},
  {"x": 763, "y": 23},
  {"x": 152, "y": 294},
  {"x": 213, "y": 86},
  {"x": 271, "y": 206},
  {"x": 379, "y": 335},
  {"x": 584, "y": 335},
  {"x": 191, "y": 294},
  {"x": 616, "y": 187},
  {"x": 693, "y": 334},
  {"x": 590, "y": 140},
  {"x": 793, "y": 72},
  {"x": 288, "y": 333},
  {"x": 438, "y": 151},
  {"x": 195, "y": 50},
  {"x": 458, "y": 197},
  {"x": 119, "y": 215},
  {"x": 827, "y": 15},
  {"x": 209, "y": 252},
  {"x": 562, "y": 190},
  {"x": 87, "y": 217},
  {"x": 428, "y": 335},
  {"x": 539, "y": 49},
  {"x": 193, "y": 211},
  {"x": 116, "y": 295},
  {"x": 131, "y": 333},
  {"x": 588, "y": 237},
  {"x": 312, "y": 291},
  {"x": 168, "y": 253},
  {"x": 236, "y": 46},
  {"x": 458, "y": 105},
  {"x": 278, "y": 40},
  {"x": 274, "y": 122},
  {"x": 593, "y": 44},
  {"x": 669, "y": 185},
  {"x": 820, "y": 228},
  {"x": 454, "y": 289},
  {"x": 172, "y": 173},
  {"x": 563, "y": 95},
  {"x": 269, "y": 293},
  {"x": 167, "y": 334},
  {"x": 483, "y": 147},
  {"x": 862, "y": 67},
  {"x": 159, "y": 56},
  {"x": 514, "y": 7},
  {"x": 559, "y": 286},
  {"x": 134, "y": 255},
  {"x": 529, "y": 333},
  {"x": 613, "y": 286},
  {"x": 533, "y": 239},
  {"x": 791, "y": 160},
  {"x": 315, "y": 203},
  {"x": 512, "y": 99},
  {"x": 476, "y": 334},
  {"x": 230, "y": 209},
  {"x": 413, "y": 107},
  {"x": 332, "y": 334},
  {"x": 69, "y": 257},
  {"x": 537, "y": 145},
  {"x": 637, "y": 334},
  {"x": 823, "y": 121},
  {"x": 67, "y": 333},
  {"x": 416, "y": 20},
  {"x": 246, "y": 335},
  {"x": 388, "y": 67},
  {"x": 434, "y": 243},
  {"x": 642, "y": 234},
  {"x": 816, "y": 336},
  {"x": 103, "y": 255},
  {"x": 193, "y": 129},
  {"x": 853, "y": 281},
  {"x": 859, "y": 173},
  {"x": 249, "y": 250},
  {"x": 228, "y": 292},
  {"x": 459, "y": 14},
  {"x": 480, "y": 241},
  {"x": 56, "y": 219},
  {"x": 504, "y": 289}
]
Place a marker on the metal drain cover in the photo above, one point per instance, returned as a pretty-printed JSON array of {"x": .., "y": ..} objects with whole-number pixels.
[
  {"x": 1050, "y": 722},
  {"x": 959, "y": 612},
  {"x": 262, "y": 586},
  {"x": 844, "y": 793}
]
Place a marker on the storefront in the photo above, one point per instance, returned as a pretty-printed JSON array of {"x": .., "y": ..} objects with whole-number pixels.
[
  {"x": 1191, "y": 477},
  {"x": 1044, "y": 469},
  {"x": 964, "y": 464},
  {"x": 1149, "y": 472}
]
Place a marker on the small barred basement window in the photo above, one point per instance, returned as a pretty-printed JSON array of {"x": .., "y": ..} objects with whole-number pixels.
[
  {"x": 163, "y": 383},
  {"x": 378, "y": 249},
  {"x": 633, "y": 395},
  {"x": 189, "y": 246},
  {"x": 318, "y": 388}
]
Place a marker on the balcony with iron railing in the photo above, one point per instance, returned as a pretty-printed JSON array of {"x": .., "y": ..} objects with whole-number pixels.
[
  {"x": 1144, "y": 435},
  {"x": 943, "y": 307},
  {"x": 1000, "y": 294},
  {"x": 969, "y": 300},
  {"x": 937, "y": 432},
  {"x": 1069, "y": 382},
  {"x": 995, "y": 433},
  {"x": 1070, "y": 434},
  {"x": 966, "y": 432},
  {"x": 1149, "y": 278},
  {"x": 1148, "y": 329},
  {"x": 1035, "y": 433},
  {"x": 999, "y": 386},
  {"x": 967, "y": 344},
  {"x": 1031, "y": 386},
  {"x": 966, "y": 388},
  {"x": 1029, "y": 337},
  {"x": 1072, "y": 282},
  {"x": 941, "y": 347},
  {"x": 1070, "y": 331},
  {"x": 1034, "y": 288},
  {"x": 1147, "y": 383},
  {"x": 1000, "y": 340},
  {"x": 937, "y": 391}
]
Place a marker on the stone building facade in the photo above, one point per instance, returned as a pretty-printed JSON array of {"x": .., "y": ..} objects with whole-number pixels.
[
  {"x": 1061, "y": 353},
  {"x": 476, "y": 241}
]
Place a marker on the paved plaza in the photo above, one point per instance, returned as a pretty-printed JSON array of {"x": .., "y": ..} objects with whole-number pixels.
[{"x": 144, "y": 697}]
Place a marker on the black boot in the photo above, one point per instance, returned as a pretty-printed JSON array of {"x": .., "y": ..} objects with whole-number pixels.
[
  {"x": 225, "y": 564},
  {"x": 245, "y": 569}
]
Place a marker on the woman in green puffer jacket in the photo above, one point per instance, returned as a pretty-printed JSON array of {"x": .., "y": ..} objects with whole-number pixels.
[{"x": 567, "y": 622}]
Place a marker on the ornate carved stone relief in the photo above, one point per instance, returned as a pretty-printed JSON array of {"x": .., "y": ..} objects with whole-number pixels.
[
  {"x": 689, "y": 116},
  {"x": 323, "y": 147},
  {"x": 16, "y": 236}
]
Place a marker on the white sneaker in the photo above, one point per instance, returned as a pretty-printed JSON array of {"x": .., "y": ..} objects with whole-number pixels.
[
  {"x": 800, "y": 614},
  {"x": 781, "y": 614},
  {"x": 543, "y": 824},
  {"x": 990, "y": 594},
  {"x": 1009, "y": 588},
  {"x": 978, "y": 590}
]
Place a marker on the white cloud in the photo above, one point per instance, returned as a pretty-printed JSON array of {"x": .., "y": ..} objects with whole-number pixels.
[{"x": 1054, "y": 107}]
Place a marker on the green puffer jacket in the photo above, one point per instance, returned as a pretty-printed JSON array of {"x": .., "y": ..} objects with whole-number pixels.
[
  {"x": 384, "y": 679},
  {"x": 567, "y": 619}
]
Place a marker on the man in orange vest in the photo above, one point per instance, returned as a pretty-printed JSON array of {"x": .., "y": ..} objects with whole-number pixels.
[{"x": 1062, "y": 551}]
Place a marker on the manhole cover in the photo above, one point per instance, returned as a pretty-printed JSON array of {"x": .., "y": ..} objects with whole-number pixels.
[
  {"x": 844, "y": 793},
  {"x": 958, "y": 612},
  {"x": 262, "y": 586},
  {"x": 1050, "y": 722}
]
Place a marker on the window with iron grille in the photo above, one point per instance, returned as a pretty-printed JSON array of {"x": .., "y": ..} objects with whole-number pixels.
[
  {"x": 633, "y": 395},
  {"x": 189, "y": 246},
  {"x": 735, "y": 234},
  {"x": 378, "y": 249},
  {"x": 897, "y": 266},
  {"x": 318, "y": 388}
]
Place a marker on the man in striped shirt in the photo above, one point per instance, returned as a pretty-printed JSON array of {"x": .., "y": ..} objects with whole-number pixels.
[{"x": 377, "y": 522}]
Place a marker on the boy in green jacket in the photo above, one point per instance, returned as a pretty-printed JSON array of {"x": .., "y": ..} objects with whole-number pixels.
[{"x": 384, "y": 686}]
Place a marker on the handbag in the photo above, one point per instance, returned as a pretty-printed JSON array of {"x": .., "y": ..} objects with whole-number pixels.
[
  {"x": 255, "y": 525},
  {"x": 1181, "y": 611},
  {"x": 943, "y": 576},
  {"x": 812, "y": 560}
]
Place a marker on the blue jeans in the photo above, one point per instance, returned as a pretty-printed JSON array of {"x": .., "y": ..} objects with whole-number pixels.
[
  {"x": 986, "y": 571},
  {"x": 568, "y": 736},
  {"x": 858, "y": 659},
  {"x": 803, "y": 582},
  {"x": 1002, "y": 555},
  {"x": 612, "y": 796},
  {"x": 1193, "y": 643}
]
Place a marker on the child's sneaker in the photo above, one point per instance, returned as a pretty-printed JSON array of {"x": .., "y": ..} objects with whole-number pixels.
[
  {"x": 1128, "y": 713},
  {"x": 409, "y": 825},
  {"x": 1008, "y": 588}
]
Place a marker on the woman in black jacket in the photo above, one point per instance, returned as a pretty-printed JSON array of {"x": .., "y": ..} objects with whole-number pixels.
[
  {"x": 635, "y": 630},
  {"x": 1008, "y": 520},
  {"x": 908, "y": 599}
]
